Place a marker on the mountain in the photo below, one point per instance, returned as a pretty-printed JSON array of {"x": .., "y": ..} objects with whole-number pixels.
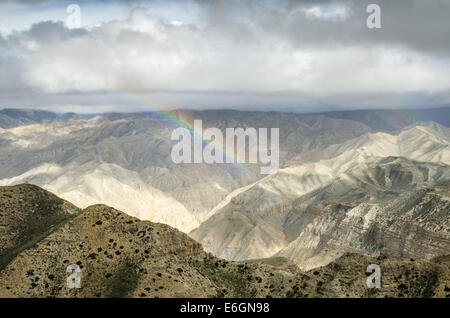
[
  {"x": 301, "y": 211},
  {"x": 391, "y": 120},
  {"x": 139, "y": 146},
  {"x": 10, "y": 117},
  {"x": 122, "y": 256},
  {"x": 27, "y": 214},
  {"x": 348, "y": 158},
  {"x": 90, "y": 183},
  {"x": 132, "y": 151},
  {"x": 413, "y": 225}
]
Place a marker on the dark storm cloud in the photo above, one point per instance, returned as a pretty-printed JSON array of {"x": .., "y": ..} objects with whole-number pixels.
[
  {"x": 264, "y": 54},
  {"x": 420, "y": 25}
]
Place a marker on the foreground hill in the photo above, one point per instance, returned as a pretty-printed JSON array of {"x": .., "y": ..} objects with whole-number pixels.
[
  {"x": 27, "y": 214},
  {"x": 121, "y": 256}
]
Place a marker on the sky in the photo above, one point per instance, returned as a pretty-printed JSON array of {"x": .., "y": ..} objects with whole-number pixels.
[{"x": 299, "y": 56}]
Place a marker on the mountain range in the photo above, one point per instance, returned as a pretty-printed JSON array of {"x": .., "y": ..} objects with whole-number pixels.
[
  {"x": 370, "y": 182},
  {"x": 121, "y": 256},
  {"x": 353, "y": 185}
]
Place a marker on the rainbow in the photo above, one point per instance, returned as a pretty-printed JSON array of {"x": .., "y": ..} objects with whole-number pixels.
[{"x": 170, "y": 119}]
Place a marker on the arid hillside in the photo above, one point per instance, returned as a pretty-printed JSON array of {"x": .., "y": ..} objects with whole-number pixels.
[{"x": 121, "y": 256}]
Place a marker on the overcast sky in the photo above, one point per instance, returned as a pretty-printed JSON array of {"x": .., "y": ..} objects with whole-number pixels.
[{"x": 247, "y": 54}]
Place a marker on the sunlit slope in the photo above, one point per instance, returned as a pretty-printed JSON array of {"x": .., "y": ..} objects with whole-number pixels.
[{"x": 374, "y": 168}]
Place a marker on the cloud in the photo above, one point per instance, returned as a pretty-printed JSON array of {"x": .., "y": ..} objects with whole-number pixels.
[{"x": 317, "y": 50}]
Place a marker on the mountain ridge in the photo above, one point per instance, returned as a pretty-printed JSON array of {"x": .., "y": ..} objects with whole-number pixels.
[
  {"x": 258, "y": 214},
  {"x": 121, "y": 256}
]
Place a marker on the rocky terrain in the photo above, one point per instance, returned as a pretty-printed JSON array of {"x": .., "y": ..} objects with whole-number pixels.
[
  {"x": 413, "y": 225},
  {"x": 136, "y": 149},
  {"x": 28, "y": 214},
  {"x": 348, "y": 181},
  {"x": 130, "y": 153},
  {"x": 363, "y": 195},
  {"x": 122, "y": 256}
]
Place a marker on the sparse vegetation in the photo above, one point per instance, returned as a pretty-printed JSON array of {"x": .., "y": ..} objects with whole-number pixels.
[{"x": 173, "y": 265}]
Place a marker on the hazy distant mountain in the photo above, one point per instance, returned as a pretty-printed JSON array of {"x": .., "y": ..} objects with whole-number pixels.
[
  {"x": 394, "y": 119},
  {"x": 10, "y": 117},
  {"x": 121, "y": 256}
]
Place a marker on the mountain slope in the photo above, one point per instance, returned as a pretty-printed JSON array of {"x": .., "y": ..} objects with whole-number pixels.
[
  {"x": 121, "y": 256},
  {"x": 258, "y": 222},
  {"x": 123, "y": 189},
  {"x": 10, "y": 117},
  {"x": 413, "y": 225},
  {"x": 140, "y": 143},
  {"x": 27, "y": 214},
  {"x": 392, "y": 120}
]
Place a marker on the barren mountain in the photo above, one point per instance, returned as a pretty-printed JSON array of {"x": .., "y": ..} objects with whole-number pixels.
[
  {"x": 413, "y": 225},
  {"x": 10, "y": 117},
  {"x": 123, "y": 160},
  {"x": 90, "y": 183},
  {"x": 132, "y": 153},
  {"x": 139, "y": 145},
  {"x": 362, "y": 174}
]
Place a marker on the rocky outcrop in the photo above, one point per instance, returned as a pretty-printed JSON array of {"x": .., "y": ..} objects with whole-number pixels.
[{"x": 413, "y": 226}]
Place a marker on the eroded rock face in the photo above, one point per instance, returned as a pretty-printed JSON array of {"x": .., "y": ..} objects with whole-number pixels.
[
  {"x": 414, "y": 226},
  {"x": 121, "y": 256},
  {"x": 384, "y": 205}
]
